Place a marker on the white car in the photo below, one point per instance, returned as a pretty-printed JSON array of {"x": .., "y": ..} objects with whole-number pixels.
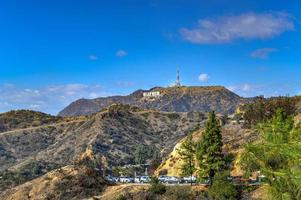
[
  {"x": 162, "y": 178},
  {"x": 137, "y": 179},
  {"x": 172, "y": 180},
  {"x": 125, "y": 179},
  {"x": 189, "y": 179},
  {"x": 144, "y": 179}
]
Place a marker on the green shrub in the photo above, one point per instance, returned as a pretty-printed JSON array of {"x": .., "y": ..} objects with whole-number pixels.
[
  {"x": 222, "y": 189},
  {"x": 173, "y": 116},
  {"x": 121, "y": 197},
  {"x": 156, "y": 187},
  {"x": 179, "y": 193},
  {"x": 125, "y": 196}
]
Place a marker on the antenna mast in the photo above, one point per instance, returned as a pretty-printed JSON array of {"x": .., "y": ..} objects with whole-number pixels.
[{"x": 178, "y": 82}]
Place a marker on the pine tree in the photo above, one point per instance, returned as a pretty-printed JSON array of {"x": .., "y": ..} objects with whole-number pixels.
[
  {"x": 209, "y": 150},
  {"x": 277, "y": 155},
  {"x": 187, "y": 152},
  {"x": 140, "y": 154}
]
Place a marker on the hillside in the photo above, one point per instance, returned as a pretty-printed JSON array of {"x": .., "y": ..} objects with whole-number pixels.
[
  {"x": 69, "y": 182},
  {"x": 171, "y": 99},
  {"x": 25, "y": 118},
  {"x": 113, "y": 133},
  {"x": 234, "y": 138}
]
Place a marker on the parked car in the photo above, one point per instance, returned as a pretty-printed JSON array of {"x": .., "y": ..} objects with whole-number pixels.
[
  {"x": 172, "y": 180},
  {"x": 205, "y": 182},
  {"x": 137, "y": 179},
  {"x": 125, "y": 179},
  {"x": 189, "y": 179},
  {"x": 111, "y": 179},
  {"x": 253, "y": 182},
  {"x": 162, "y": 178},
  {"x": 144, "y": 179}
]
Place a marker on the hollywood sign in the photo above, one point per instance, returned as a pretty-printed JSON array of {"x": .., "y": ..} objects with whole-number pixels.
[{"x": 151, "y": 94}]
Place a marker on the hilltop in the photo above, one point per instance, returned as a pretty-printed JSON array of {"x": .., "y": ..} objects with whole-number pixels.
[
  {"x": 25, "y": 118},
  {"x": 170, "y": 99}
]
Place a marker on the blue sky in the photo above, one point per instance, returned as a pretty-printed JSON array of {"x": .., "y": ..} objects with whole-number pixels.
[{"x": 55, "y": 51}]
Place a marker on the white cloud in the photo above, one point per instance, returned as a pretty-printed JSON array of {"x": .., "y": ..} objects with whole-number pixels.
[
  {"x": 245, "y": 26},
  {"x": 204, "y": 77},
  {"x": 93, "y": 57},
  {"x": 262, "y": 53},
  {"x": 121, "y": 53},
  {"x": 48, "y": 99},
  {"x": 268, "y": 89},
  {"x": 242, "y": 87},
  {"x": 248, "y": 90}
]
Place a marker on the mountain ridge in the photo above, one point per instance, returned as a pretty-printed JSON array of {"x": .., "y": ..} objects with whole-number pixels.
[{"x": 170, "y": 99}]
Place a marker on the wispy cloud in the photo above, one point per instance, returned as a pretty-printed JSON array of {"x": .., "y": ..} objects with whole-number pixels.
[
  {"x": 121, "y": 53},
  {"x": 262, "y": 53},
  {"x": 245, "y": 26},
  {"x": 268, "y": 89},
  {"x": 48, "y": 99},
  {"x": 204, "y": 77},
  {"x": 93, "y": 57},
  {"x": 245, "y": 89}
]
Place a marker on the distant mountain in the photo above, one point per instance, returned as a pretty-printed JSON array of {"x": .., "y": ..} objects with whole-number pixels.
[{"x": 171, "y": 99}]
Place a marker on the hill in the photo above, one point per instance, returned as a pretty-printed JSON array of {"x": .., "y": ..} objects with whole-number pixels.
[
  {"x": 171, "y": 99},
  {"x": 25, "y": 118},
  {"x": 69, "y": 182},
  {"x": 113, "y": 133}
]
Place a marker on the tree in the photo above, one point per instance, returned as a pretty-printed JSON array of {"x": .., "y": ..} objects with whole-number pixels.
[
  {"x": 224, "y": 120},
  {"x": 262, "y": 109},
  {"x": 120, "y": 171},
  {"x": 209, "y": 150},
  {"x": 140, "y": 154},
  {"x": 156, "y": 186},
  {"x": 222, "y": 188},
  {"x": 277, "y": 155},
  {"x": 187, "y": 153}
]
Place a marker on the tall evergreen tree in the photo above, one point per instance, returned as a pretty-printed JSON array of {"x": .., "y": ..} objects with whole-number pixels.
[
  {"x": 187, "y": 152},
  {"x": 209, "y": 150}
]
